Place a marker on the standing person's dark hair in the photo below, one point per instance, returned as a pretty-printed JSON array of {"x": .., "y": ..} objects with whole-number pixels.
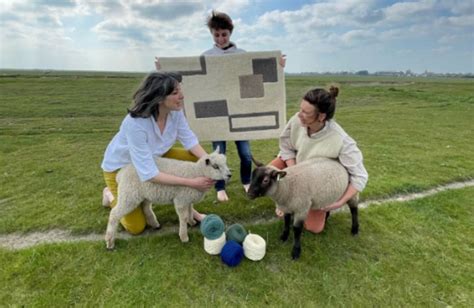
[
  {"x": 154, "y": 88},
  {"x": 220, "y": 21},
  {"x": 324, "y": 101}
]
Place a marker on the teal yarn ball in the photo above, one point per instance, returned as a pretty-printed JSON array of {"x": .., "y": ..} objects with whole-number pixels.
[
  {"x": 236, "y": 232},
  {"x": 232, "y": 253},
  {"x": 212, "y": 227}
]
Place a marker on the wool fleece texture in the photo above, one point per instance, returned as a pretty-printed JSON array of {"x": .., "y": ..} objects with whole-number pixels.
[{"x": 232, "y": 97}]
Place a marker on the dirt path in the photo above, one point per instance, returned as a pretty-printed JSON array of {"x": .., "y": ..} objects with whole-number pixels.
[{"x": 15, "y": 241}]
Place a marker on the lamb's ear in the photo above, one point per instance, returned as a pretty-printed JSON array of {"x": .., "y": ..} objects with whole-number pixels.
[
  {"x": 217, "y": 151},
  {"x": 208, "y": 161},
  {"x": 257, "y": 163}
]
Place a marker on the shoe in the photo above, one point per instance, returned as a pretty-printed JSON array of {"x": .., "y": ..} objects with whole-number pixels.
[
  {"x": 246, "y": 187},
  {"x": 222, "y": 196},
  {"x": 315, "y": 221}
]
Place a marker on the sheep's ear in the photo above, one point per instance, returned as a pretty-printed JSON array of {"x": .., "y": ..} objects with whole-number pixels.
[
  {"x": 281, "y": 175},
  {"x": 218, "y": 150},
  {"x": 278, "y": 175},
  {"x": 208, "y": 161},
  {"x": 257, "y": 163}
]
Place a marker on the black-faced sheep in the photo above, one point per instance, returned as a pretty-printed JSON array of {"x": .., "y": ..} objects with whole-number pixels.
[
  {"x": 312, "y": 184},
  {"x": 133, "y": 193}
]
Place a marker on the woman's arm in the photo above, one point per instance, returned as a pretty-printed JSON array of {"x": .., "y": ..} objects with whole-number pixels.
[
  {"x": 198, "y": 151},
  {"x": 199, "y": 183},
  {"x": 348, "y": 194}
]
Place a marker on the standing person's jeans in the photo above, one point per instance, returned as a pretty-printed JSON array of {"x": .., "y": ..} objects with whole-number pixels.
[{"x": 243, "y": 148}]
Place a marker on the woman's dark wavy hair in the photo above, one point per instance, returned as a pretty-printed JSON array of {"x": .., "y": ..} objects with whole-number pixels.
[
  {"x": 323, "y": 101},
  {"x": 152, "y": 92}
]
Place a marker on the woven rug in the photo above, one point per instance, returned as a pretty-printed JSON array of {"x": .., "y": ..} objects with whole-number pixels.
[{"x": 232, "y": 97}]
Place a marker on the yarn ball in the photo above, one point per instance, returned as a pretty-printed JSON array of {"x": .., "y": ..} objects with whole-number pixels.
[
  {"x": 214, "y": 247},
  {"x": 232, "y": 253},
  {"x": 254, "y": 247},
  {"x": 212, "y": 227},
  {"x": 237, "y": 233}
]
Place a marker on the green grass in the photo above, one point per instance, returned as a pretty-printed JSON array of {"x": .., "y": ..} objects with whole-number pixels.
[
  {"x": 413, "y": 254},
  {"x": 415, "y": 133}
]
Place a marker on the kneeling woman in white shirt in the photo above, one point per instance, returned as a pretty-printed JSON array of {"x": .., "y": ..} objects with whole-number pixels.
[{"x": 152, "y": 126}]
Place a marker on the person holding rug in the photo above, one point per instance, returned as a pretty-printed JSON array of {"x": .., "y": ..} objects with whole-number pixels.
[
  {"x": 221, "y": 26},
  {"x": 152, "y": 126},
  {"x": 312, "y": 133}
]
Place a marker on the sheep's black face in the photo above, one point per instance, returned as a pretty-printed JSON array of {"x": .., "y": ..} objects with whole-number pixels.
[{"x": 262, "y": 180}]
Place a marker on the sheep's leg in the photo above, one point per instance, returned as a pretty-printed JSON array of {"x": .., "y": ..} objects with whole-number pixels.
[
  {"x": 355, "y": 216},
  {"x": 150, "y": 215},
  {"x": 119, "y": 211},
  {"x": 297, "y": 230},
  {"x": 183, "y": 213},
  {"x": 191, "y": 220},
  {"x": 286, "y": 229}
]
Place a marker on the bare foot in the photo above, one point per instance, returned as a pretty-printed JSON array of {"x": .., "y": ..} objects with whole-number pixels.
[
  {"x": 107, "y": 197},
  {"x": 246, "y": 187},
  {"x": 222, "y": 196},
  {"x": 279, "y": 213},
  {"x": 198, "y": 216}
]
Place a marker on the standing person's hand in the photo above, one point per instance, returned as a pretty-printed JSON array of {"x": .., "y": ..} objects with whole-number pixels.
[
  {"x": 283, "y": 61},
  {"x": 202, "y": 183},
  {"x": 157, "y": 64}
]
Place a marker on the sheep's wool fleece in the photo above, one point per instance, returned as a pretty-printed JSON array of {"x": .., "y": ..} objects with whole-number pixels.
[{"x": 232, "y": 97}]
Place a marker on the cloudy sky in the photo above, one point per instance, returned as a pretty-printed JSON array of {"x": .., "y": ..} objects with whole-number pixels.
[{"x": 321, "y": 35}]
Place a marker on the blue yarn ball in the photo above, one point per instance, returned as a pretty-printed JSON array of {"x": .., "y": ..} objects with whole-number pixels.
[
  {"x": 212, "y": 227},
  {"x": 232, "y": 253}
]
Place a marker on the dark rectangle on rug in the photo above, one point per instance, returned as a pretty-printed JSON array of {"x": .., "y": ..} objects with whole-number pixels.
[
  {"x": 211, "y": 109},
  {"x": 266, "y": 67},
  {"x": 254, "y": 119}
]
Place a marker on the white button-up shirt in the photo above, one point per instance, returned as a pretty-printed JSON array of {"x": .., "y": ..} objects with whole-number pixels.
[{"x": 139, "y": 140}]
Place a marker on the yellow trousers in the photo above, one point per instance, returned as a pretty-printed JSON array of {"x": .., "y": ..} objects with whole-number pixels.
[{"x": 135, "y": 222}]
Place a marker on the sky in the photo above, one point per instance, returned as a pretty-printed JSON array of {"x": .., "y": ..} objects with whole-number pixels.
[{"x": 316, "y": 36}]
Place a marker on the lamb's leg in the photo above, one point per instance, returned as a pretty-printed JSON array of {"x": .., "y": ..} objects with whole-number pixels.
[
  {"x": 286, "y": 228},
  {"x": 352, "y": 203},
  {"x": 297, "y": 230},
  {"x": 183, "y": 212},
  {"x": 119, "y": 211},
  {"x": 150, "y": 215},
  {"x": 191, "y": 220}
]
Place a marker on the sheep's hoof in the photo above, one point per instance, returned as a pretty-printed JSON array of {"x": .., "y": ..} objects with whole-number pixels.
[
  {"x": 109, "y": 242},
  {"x": 295, "y": 254},
  {"x": 284, "y": 236},
  {"x": 355, "y": 230},
  {"x": 109, "y": 245},
  {"x": 192, "y": 222},
  {"x": 184, "y": 238},
  {"x": 156, "y": 228}
]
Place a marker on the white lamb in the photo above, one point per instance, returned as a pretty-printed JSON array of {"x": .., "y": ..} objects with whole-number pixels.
[
  {"x": 133, "y": 193},
  {"x": 312, "y": 184}
]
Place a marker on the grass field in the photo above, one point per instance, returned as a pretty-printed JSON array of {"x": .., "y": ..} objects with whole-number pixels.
[{"x": 415, "y": 134}]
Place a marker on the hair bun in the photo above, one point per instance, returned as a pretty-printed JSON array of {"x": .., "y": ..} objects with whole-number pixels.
[{"x": 333, "y": 91}]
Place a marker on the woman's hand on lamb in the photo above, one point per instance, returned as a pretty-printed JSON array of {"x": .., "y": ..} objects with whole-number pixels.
[
  {"x": 202, "y": 183},
  {"x": 331, "y": 207}
]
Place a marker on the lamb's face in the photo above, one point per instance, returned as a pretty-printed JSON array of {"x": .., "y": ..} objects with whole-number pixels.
[
  {"x": 263, "y": 178},
  {"x": 216, "y": 167}
]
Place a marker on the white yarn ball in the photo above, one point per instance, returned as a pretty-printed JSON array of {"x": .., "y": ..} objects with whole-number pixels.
[
  {"x": 254, "y": 247},
  {"x": 214, "y": 247}
]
